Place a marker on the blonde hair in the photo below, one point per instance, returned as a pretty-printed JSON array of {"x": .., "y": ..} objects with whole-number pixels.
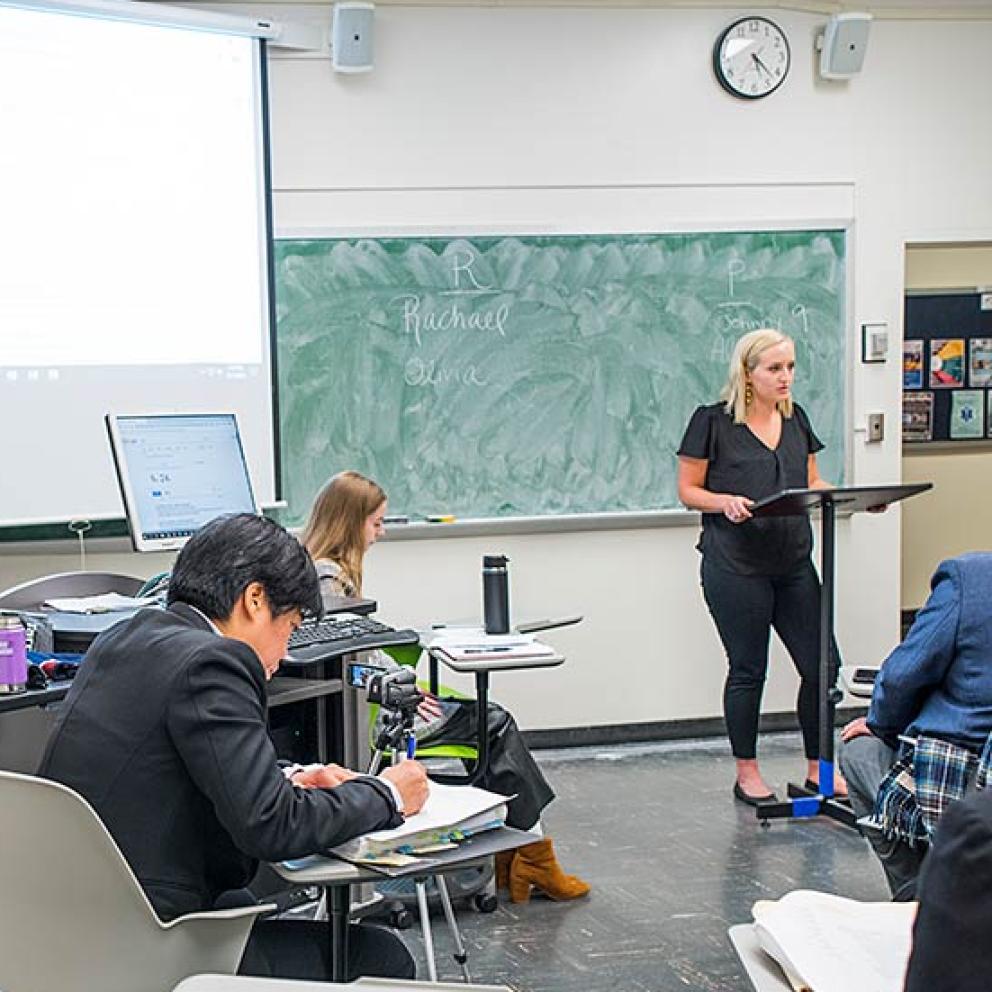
[
  {"x": 747, "y": 353},
  {"x": 336, "y": 527}
]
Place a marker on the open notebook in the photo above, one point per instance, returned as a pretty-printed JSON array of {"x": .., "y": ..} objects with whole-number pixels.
[
  {"x": 825, "y": 943},
  {"x": 451, "y": 813}
]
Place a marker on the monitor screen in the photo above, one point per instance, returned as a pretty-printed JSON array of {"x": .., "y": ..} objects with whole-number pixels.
[{"x": 177, "y": 472}]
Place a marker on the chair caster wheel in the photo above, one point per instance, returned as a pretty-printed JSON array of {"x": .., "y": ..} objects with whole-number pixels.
[
  {"x": 399, "y": 917},
  {"x": 485, "y": 903},
  {"x": 764, "y": 824}
]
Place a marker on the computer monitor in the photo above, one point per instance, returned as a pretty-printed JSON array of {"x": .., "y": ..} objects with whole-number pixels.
[{"x": 177, "y": 471}]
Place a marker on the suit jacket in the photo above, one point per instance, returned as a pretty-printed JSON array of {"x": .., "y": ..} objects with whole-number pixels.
[
  {"x": 939, "y": 680},
  {"x": 164, "y": 733},
  {"x": 951, "y": 947}
]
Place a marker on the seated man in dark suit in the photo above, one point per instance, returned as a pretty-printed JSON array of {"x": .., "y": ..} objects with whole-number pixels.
[
  {"x": 922, "y": 744},
  {"x": 164, "y": 733},
  {"x": 951, "y": 948}
]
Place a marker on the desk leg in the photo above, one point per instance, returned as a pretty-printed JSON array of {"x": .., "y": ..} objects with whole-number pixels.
[
  {"x": 339, "y": 901},
  {"x": 482, "y": 718},
  {"x": 432, "y": 683}
]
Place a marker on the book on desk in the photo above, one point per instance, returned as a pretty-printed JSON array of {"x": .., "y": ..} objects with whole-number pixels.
[{"x": 450, "y": 815}]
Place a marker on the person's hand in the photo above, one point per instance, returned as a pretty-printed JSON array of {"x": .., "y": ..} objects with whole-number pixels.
[
  {"x": 322, "y": 776},
  {"x": 429, "y": 708},
  {"x": 410, "y": 778},
  {"x": 881, "y": 508},
  {"x": 737, "y": 509},
  {"x": 856, "y": 728}
]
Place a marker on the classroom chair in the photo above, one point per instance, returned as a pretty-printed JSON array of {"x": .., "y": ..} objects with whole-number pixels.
[{"x": 73, "y": 917}]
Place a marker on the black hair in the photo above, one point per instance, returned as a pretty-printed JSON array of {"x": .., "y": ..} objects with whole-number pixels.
[{"x": 226, "y": 555}]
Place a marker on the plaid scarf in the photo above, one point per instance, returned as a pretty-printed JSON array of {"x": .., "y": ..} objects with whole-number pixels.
[{"x": 924, "y": 779}]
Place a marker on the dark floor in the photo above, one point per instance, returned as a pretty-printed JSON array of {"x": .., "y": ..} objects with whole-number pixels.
[{"x": 673, "y": 862}]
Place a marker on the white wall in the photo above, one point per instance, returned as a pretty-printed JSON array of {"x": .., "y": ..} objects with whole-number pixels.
[{"x": 609, "y": 119}]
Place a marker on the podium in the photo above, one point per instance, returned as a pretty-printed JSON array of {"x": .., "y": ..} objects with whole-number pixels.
[{"x": 802, "y": 502}]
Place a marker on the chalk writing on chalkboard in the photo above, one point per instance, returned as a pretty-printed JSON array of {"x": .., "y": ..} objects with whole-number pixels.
[{"x": 495, "y": 376}]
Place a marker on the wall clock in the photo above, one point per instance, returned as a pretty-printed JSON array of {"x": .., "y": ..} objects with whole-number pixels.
[{"x": 751, "y": 58}]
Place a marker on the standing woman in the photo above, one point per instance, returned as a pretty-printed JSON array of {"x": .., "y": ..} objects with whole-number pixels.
[
  {"x": 757, "y": 573},
  {"x": 345, "y": 521}
]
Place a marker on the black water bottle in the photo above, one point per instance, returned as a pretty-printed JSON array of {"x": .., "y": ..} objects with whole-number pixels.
[{"x": 496, "y": 594}]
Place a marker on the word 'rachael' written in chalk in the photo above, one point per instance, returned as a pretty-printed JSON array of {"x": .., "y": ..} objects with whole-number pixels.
[{"x": 420, "y": 316}]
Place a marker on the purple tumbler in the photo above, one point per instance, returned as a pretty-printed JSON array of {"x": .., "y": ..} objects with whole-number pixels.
[{"x": 13, "y": 656}]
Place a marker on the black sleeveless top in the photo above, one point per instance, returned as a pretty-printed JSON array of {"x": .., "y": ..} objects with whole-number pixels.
[{"x": 743, "y": 465}]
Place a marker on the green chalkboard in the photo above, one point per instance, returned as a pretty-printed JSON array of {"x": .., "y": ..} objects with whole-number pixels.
[{"x": 493, "y": 376}]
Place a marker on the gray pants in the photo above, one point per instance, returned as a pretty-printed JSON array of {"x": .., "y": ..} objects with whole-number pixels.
[{"x": 864, "y": 762}]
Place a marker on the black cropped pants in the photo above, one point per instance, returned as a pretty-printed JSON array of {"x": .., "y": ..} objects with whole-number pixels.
[{"x": 745, "y": 608}]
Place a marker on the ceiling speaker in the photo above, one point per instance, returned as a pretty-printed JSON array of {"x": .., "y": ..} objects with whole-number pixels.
[
  {"x": 842, "y": 45},
  {"x": 351, "y": 36}
]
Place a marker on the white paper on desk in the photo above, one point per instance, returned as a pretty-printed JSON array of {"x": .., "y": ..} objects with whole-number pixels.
[
  {"x": 827, "y": 943},
  {"x": 449, "y": 807},
  {"x": 108, "y": 602},
  {"x": 462, "y": 647},
  {"x": 474, "y": 637}
]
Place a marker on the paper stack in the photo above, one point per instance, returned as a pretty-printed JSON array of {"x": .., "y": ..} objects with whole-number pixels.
[
  {"x": 451, "y": 813},
  {"x": 825, "y": 943},
  {"x": 475, "y": 645},
  {"x": 108, "y": 602}
]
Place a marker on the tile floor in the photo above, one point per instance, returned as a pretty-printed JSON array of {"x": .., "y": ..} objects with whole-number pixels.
[{"x": 673, "y": 861}]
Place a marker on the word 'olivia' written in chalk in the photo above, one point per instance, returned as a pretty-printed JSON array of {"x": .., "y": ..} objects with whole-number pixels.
[
  {"x": 459, "y": 308},
  {"x": 417, "y": 372}
]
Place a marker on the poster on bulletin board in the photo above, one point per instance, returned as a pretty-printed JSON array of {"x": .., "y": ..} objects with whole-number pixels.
[{"x": 947, "y": 368}]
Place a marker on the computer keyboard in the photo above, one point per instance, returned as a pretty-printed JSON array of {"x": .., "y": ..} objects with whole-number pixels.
[{"x": 333, "y": 636}]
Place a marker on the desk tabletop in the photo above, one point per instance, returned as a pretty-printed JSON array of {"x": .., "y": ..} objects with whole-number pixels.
[
  {"x": 319, "y": 869},
  {"x": 240, "y": 983},
  {"x": 505, "y": 664},
  {"x": 764, "y": 973},
  {"x": 52, "y": 693}
]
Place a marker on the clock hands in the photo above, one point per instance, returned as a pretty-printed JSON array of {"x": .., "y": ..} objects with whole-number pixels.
[{"x": 761, "y": 65}]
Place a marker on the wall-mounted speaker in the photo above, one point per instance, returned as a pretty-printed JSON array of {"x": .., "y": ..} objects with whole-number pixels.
[
  {"x": 351, "y": 36},
  {"x": 843, "y": 44}
]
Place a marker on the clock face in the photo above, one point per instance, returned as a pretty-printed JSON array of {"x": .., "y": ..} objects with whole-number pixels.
[{"x": 751, "y": 58}]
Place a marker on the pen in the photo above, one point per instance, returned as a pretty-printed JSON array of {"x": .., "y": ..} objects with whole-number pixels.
[
  {"x": 398, "y": 518},
  {"x": 411, "y": 745},
  {"x": 440, "y": 518}
]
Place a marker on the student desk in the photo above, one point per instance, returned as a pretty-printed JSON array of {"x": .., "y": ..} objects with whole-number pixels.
[
  {"x": 337, "y": 877},
  {"x": 481, "y": 668}
]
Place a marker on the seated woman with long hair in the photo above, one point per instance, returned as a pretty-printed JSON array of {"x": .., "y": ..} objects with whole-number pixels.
[{"x": 345, "y": 521}]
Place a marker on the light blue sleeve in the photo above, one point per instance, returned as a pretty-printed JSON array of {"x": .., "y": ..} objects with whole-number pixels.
[{"x": 912, "y": 670}]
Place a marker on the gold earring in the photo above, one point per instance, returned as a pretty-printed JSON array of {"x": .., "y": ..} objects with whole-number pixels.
[{"x": 748, "y": 394}]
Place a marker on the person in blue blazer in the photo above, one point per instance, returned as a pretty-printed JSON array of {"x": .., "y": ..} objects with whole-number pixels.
[{"x": 923, "y": 744}]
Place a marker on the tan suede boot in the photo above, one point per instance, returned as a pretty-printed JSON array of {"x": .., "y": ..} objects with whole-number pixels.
[
  {"x": 503, "y": 861},
  {"x": 536, "y": 865}
]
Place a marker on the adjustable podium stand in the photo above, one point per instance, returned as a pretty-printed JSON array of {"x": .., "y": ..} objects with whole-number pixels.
[{"x": 793, "y": 503}]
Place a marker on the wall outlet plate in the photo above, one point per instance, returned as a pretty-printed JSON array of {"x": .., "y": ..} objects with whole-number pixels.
[{"x": 876, "y": 428}]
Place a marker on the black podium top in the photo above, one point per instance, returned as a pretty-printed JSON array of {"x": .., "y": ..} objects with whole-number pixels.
[{"x": 849, "y": 499}]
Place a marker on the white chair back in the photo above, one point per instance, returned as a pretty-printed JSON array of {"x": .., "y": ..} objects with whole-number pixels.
[{"x": 73, "y": 917}]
